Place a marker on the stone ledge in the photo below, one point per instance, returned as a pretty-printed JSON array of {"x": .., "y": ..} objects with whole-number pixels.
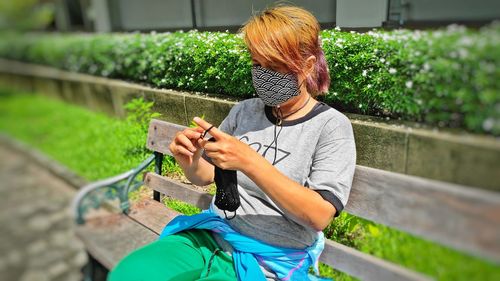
[{"x": 404, "y": 147}]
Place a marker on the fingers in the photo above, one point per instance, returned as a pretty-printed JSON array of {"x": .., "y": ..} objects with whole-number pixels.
[
  {"x": 178, "y": 149},
  {"x": 193, "y": 133},
  {"x": 182, "y": 150},
  {"x": 208, "y": 145},
  {"x": 197, "y": 129},
  {"x": 214, "y": 132},
  {"x": 185, "y": 142},
  {"x": 182, "y": 141}
]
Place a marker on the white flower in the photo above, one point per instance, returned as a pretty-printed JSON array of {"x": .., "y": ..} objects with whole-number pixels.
[
  {"x": 466, "y": 41},
  {"x": 364, "y": 73},
  {"x": 369, "y": 86},
  {"x": 360, "y": 106},
  {"x": 392, "y": 70},
  {"x": 382, "y": 60},
  {"x": 335, "y": 93},
  {"x": 409, "y": 84}
]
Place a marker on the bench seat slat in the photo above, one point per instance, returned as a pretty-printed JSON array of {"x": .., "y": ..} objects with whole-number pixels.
[
  {"x": 110, "y": 238},
  {"x": 461, "y": 217},
  {"x": 152, "y": 214}
]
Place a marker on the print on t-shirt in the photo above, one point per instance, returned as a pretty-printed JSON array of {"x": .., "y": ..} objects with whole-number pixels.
[{"x": 264, "y": 149}]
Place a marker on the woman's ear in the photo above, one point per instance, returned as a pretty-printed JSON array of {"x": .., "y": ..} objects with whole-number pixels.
[{"x": 309, "y": 65}]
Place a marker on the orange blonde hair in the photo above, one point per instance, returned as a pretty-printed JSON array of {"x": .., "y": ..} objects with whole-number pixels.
[{"x": 286, "y": 36}]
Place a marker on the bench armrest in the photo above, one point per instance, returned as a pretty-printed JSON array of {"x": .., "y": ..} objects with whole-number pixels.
[{"x": 117, "y": 187}]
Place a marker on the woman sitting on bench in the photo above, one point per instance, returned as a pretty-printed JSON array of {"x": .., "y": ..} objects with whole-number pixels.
[{"x": 283, "y": 164}]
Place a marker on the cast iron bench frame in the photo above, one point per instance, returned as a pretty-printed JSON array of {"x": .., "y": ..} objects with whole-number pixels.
[{"x": 460, "y": 217}]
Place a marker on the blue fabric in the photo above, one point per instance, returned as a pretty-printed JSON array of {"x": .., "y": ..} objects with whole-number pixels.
[{"x": 287, "y": 263}]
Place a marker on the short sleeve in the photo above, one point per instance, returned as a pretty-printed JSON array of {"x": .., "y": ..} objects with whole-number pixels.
[
  {"x": 228, "y": 125},
  {"x": 333, "y": 163}
]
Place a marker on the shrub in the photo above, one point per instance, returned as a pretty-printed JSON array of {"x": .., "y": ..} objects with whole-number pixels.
[{"x": 446, "y": 77}]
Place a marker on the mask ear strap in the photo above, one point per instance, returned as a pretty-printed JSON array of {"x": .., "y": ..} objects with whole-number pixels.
[
  {"x": 279, "y": 121},
  {"x": 279, "y": 116}
]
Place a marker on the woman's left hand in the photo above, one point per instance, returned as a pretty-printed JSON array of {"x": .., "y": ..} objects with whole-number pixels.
[{"x": 227, "y": 152}]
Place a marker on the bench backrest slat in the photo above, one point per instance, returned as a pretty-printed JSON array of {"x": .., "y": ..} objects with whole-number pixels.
[
  {"x": 461, "y": 217},
  {"x": 161, "y": 134},
  {"x": 178, "y": 190},
  {"x": 364, "y": 266}
]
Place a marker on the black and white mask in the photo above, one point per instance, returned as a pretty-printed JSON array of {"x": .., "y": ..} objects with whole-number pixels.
[{"x": 274, "y": 87}]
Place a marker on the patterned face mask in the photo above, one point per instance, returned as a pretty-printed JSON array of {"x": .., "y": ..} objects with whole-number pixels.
[{"x": 274, "y": 87}]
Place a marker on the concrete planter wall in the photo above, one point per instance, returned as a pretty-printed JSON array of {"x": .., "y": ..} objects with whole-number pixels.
[{"x": 461, "y": 158}]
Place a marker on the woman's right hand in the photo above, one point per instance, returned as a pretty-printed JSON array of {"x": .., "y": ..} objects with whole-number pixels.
[{"x": 185, "y": 147}]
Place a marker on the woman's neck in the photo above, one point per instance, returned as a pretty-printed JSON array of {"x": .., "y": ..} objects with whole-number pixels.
[{"x": 296, "y": 108}]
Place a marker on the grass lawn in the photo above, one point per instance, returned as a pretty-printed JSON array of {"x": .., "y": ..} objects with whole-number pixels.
[{"x": 97, "y": 146}]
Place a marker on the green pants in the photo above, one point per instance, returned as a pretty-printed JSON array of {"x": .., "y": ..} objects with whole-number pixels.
[{"x": 187, "y": 255}]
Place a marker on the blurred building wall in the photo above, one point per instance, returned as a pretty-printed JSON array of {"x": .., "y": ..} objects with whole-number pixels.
[
  {"x": 161, "y": 15},
  {"x": 361, "y": 13},
  {"x": 208, "y": 14}
]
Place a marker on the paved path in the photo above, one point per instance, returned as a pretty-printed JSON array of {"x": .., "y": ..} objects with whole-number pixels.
[{"x": 37, "y": 242}]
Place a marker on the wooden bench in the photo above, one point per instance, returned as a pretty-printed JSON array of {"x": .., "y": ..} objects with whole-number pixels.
[{"x": 463, "y": 218}]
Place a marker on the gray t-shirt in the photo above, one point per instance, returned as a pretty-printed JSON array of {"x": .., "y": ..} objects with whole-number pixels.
[{"x": 317, "y": 151}]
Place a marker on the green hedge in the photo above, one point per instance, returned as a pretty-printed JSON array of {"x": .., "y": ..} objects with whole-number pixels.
[{"x": 447, "y": 77}]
